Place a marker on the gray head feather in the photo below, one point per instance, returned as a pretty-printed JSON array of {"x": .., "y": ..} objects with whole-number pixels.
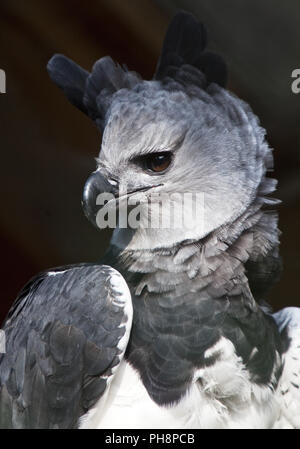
[{"x": 218, "y": 146}]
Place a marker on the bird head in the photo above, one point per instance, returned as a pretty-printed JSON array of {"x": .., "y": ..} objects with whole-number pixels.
[{"x": 180, "y": 149}]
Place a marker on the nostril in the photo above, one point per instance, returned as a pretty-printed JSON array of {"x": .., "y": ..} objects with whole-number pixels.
[{"x": 112, "y": 181}]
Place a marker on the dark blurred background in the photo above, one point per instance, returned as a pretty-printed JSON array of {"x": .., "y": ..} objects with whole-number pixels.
[{"x": 48, "y": 147}]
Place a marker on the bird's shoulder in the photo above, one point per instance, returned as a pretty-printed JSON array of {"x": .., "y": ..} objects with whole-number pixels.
[{"x": 65, "y": 334}]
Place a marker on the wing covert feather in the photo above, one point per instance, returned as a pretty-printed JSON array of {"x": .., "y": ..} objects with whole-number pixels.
[{"x": 65, "y": 335}]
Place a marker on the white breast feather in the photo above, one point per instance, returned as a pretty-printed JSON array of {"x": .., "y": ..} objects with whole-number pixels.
[
  {"x": 288, "y": 394},
  {"x": 221, "y": 396}
]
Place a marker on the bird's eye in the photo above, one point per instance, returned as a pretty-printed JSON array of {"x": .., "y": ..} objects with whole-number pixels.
[{"x": 158, "y": 162}]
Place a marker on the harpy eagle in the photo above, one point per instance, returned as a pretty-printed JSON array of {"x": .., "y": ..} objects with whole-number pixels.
[{"x": 170, "y": 330}]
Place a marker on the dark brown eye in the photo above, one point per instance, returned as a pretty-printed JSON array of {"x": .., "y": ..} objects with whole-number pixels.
[{"x": 158, "y": 162}]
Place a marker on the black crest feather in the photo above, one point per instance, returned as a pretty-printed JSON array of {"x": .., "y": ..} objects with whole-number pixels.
[
  {"x": 70, "y": 77},
  {"x": 90, "y": 92},
  {"x": 184, "y": 45}
]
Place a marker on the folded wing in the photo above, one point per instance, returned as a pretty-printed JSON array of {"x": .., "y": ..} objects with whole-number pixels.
[{"x": 65, "y": 337}]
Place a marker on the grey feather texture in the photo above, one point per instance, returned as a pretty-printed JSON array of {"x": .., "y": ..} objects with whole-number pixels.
[
  {"x": 62, "y": 344},
  {"x": 200, "y": 348}
]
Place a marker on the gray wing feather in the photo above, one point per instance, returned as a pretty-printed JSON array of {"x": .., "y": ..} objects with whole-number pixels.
[{"x": 65, "y": 335}]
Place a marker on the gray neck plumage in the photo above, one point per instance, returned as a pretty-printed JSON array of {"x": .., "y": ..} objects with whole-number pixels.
[{"x": 186, "y": 297}]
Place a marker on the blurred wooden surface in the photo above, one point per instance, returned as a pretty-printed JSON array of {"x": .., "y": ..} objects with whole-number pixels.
[{"x": 48, "y": 147}]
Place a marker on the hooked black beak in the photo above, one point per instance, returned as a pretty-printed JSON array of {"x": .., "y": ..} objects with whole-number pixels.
[{"x": 95, "y": 185}]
